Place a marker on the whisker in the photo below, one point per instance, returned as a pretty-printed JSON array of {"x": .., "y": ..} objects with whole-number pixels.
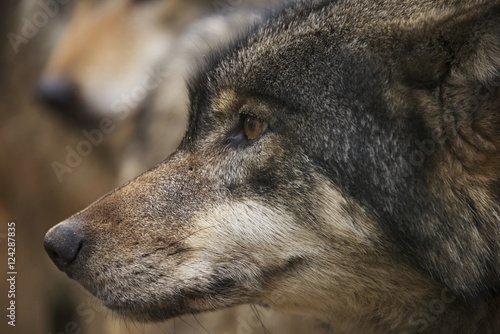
[
  {"x": 257, "y": 314},
  {"x": 189, "y": 235},
  {"x": 197, "y": 231},
  {"x": 199, "y": 323},
  {"x": 187, "y": 323}
]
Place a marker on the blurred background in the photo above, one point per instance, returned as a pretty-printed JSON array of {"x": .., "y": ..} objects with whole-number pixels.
[{"x": 92, "y": 94}]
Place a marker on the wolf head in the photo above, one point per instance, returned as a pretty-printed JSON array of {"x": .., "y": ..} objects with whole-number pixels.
[{"x": 341, "y": 160}]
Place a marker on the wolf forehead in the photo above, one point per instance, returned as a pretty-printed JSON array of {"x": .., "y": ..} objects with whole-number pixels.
[
  {"x": 305, "y": 38},
  {"x": 304, "y": 47}
]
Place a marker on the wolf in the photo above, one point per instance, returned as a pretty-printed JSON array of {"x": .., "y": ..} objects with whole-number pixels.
[
  {"x": 106, "y": 48},
  {"x": 114, "y": 58},
  {"x": 341, "y": 161}
]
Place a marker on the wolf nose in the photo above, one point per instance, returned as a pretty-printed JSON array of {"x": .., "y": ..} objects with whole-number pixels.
[
  {"x": 61, "y": 95},
  {"x": 62, "y": 243},
  {"x": 57, "y": 92}
]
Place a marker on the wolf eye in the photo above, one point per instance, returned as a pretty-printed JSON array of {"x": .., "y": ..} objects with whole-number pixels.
[{"x": 253, "y": 127}]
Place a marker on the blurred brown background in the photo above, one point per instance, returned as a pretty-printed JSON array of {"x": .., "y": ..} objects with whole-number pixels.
[{"x": 64, "y": 67}]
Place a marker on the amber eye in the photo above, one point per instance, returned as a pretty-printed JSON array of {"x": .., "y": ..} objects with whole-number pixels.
[{"x": 253, "y": 127}]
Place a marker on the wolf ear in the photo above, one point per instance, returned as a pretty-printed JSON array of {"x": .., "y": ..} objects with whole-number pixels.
[
  {"x": 447, "y": 70},
  {"x": 451, "y": 64}
]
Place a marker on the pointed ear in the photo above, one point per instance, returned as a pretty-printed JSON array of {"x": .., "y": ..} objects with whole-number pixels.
[{"x": 450, "y": 64}]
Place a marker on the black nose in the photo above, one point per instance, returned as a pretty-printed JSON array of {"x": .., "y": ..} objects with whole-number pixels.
[
  {"x": 62, "y": 243},
  {"x": 57, "y": 92},
  {"x": 61, "y": 95}
]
